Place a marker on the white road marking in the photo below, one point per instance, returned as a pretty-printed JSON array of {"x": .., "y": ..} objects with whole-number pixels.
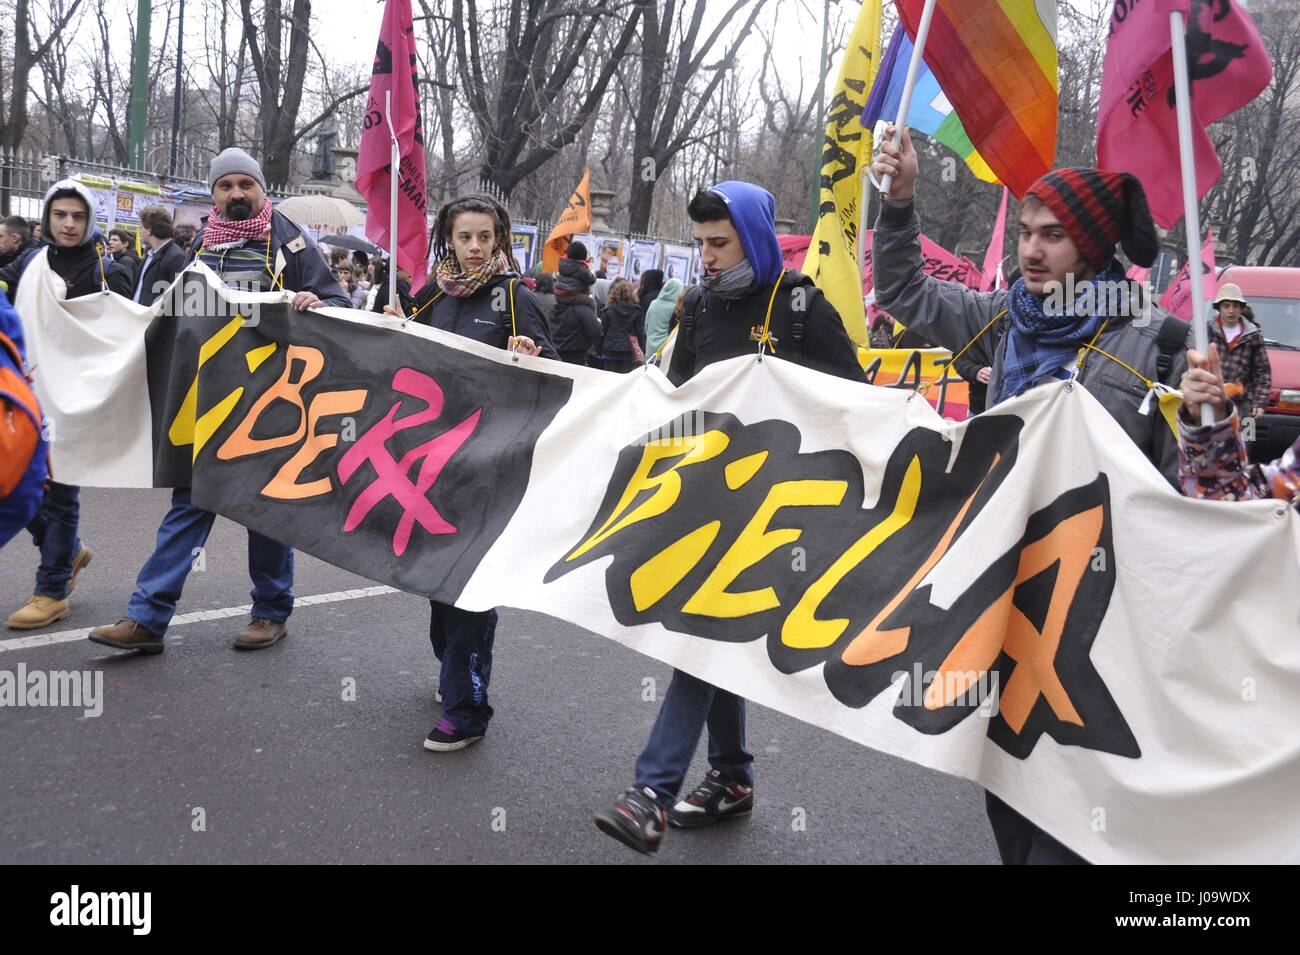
[{"x": 65, "y": 636}]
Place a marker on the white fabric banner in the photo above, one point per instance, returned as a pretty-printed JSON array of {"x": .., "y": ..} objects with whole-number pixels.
[
  {"x": 1018, "y": 599},
  {"x": 87, "y": 359}
]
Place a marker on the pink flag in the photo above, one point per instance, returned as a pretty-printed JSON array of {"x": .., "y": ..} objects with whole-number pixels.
[
  {"x": 992, "y": 274},
  {"x": 395, "y": 70},
  {"x": 1177, "y": 299},
  {"x": 1137, "y": 130}
]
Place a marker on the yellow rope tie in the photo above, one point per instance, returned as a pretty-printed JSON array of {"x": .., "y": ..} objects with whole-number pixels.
[
  {"x": 765, "y": 339},
  {"x": 266, "y": 258},
  {"x": 1145, "y": 380},
  {"x": 922, "y": 388},
  {"x": 1083, "y": 352},
  {"x": 510, "y": 290},
  {"x": 274, "y": 276},
  {"x": 440, "y": 294},
  {"x": 103, "y": 276}
]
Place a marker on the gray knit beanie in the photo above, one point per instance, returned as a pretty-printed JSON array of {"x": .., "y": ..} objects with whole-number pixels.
[{"x": 232, "y": 159}]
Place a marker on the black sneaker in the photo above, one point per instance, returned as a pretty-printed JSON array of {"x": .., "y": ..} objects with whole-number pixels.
[
  {"x": 636, "y": 820},
  {"x": 445, "y": 738},
  {"x": 711, "y": 801}
]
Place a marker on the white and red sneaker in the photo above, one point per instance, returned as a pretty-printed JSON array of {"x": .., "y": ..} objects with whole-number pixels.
[{"x": 713, "y": 800}]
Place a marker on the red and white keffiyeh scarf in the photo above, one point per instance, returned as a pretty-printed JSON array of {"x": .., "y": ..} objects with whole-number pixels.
[{"x": 222, "y": 231}]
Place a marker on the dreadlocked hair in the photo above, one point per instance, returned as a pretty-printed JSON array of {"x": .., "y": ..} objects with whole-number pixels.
[{"x": 445, "y": 220}]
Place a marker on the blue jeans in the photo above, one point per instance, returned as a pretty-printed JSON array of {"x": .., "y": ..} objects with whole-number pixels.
[
  {"x": 54, "y": 531},
  {"x": 689, "y": 705},
  {"x": 462, "y": 642},
  {"x": 182, "y": 533}
]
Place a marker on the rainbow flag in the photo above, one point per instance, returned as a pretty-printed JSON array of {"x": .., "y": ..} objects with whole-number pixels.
[
  {"x": 930, "y": 112},
  {"x": 996, "y": 60}
]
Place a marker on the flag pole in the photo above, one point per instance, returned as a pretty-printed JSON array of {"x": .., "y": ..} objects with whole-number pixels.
[
  {"x": 864, "y": 221},
  {"x": 1191, "y": 211},
  {"x": 913, "y": 68},
  {"x": 395, "y": 170}
]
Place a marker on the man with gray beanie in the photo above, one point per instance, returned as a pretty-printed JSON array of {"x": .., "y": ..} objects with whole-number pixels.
[{"x": 255, "y": 248}]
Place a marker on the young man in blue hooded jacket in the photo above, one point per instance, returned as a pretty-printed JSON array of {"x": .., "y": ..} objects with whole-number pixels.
[{"x": 734, "y": 226}]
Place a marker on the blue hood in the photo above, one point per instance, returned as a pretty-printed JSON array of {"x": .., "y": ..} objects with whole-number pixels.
[{"x": 753, "y": 212}]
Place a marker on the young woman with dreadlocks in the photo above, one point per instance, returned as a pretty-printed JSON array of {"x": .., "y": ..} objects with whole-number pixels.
[{"x": 472, "y": 260}]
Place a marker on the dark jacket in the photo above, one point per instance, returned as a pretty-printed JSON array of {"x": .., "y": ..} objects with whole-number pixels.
[
  {"x": 479, "y": 318},
  {"x": 546, "y": 301},
  {"x": 952, "y": 314},
  {"x": 574, "y": 325},
  {"x": 969, "y": 366},
  {"x": 302, "y": 267},
  {"x": 574, "y": 276},
  {"x": 405, "y": 300},
  {"x": 132, "y": 263},
  {"x": 621, "y": 320},
  {"x": 160, "y": 270},
  {"x": 79, "y": 267},
  {"x": 1245, "y": 363},
  {"x": 17, "y": 255},
  {"x": 715, "y": 329}
]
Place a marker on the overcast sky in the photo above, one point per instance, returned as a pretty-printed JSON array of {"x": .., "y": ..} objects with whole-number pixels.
[{"x": 347, "y": 30}]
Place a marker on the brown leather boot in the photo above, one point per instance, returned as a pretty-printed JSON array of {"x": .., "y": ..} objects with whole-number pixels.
[
  {"x": 260, "y": 633},
  {"x": 126, "y": 634}
]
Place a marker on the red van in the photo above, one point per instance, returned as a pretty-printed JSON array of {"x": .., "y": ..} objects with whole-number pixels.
[{"x": 1274, "y": 297}]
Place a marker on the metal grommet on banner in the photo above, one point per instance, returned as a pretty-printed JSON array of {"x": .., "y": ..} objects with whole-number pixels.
[{"x": 1281, "y": 511}]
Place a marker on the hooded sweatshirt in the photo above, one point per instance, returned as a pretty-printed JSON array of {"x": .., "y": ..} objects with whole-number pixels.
[
  {"x": 753, "y": 212},
  {"x": 659, "y": 315},
  {"x": 84, "y": 267},
  {"x": 804, "y": 328}
]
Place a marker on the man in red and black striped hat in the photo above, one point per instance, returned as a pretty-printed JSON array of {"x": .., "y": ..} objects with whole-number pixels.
[{"x": 1072, "y": 312}]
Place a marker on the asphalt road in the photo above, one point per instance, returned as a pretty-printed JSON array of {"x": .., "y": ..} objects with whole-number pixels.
[{"x": 265, "y": 752}]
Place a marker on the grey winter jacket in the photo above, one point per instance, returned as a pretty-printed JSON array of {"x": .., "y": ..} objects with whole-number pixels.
[{"x": 952, "y": 314}]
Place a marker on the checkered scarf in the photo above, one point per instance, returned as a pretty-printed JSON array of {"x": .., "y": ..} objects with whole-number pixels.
[
  {"x": 454, "y": 282},
  {"x": 222, "y": 231},
  {"x": 1039, "y": 344}
]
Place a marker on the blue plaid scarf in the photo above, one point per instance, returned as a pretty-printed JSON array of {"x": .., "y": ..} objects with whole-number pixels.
[{"x": 1039, "y": 344}]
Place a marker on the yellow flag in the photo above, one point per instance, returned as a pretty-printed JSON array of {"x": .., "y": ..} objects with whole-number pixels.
[{"x": 832, "y": 259}]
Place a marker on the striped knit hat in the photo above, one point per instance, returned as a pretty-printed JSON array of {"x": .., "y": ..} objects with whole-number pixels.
[{"x": 1099, "y": 210}]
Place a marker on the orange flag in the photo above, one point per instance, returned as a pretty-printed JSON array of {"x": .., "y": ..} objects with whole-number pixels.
[{"x": 575, "y": 219}]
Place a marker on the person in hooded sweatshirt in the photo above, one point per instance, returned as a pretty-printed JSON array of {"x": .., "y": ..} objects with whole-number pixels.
[
  {"x": 743, "y": 283},
  {"x": 622, "y": 321},
  {"x": 1070, "y": 222},
  {"x": 75, "y": 252},
  {"x": 473, "y": 264},
  {"x": 659, "y": 315},
  {"x": 574, "y": 326}
]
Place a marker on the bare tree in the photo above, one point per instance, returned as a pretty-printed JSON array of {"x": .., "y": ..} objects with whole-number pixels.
[
  {"x": 542, "y": 43},
  {"x": 665, "y": 119}
]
